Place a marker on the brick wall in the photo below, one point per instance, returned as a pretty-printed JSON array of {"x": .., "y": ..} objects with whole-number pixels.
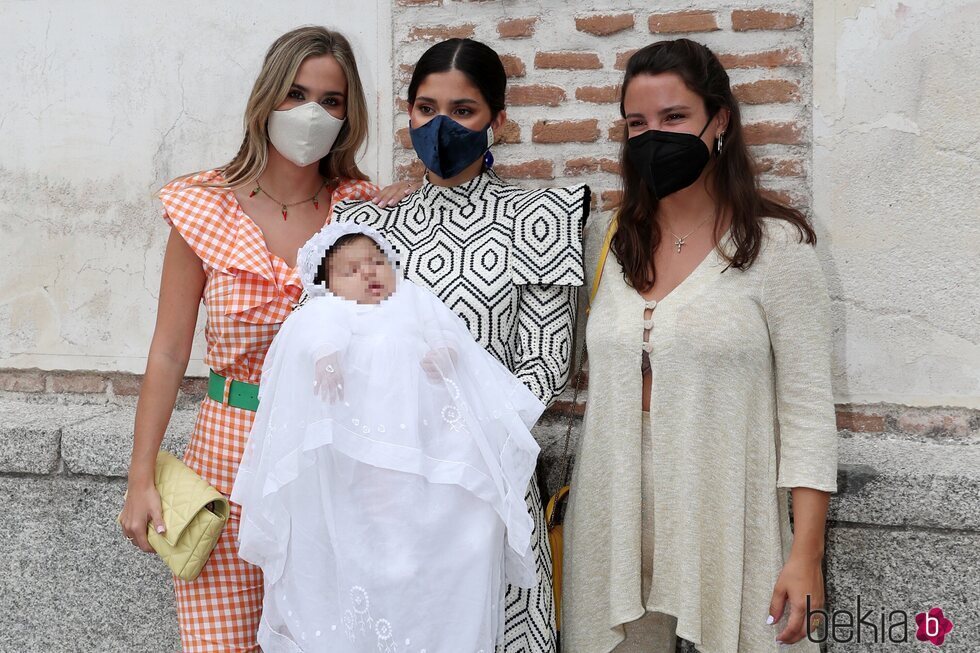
[
  {"x": 565, "y": 62},
  {"x": 98, "y": 387},
  {"x": 117, "y": 388}
]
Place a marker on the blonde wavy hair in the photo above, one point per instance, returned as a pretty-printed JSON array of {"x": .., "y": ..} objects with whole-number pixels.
[{"x": 282, "y": 61}]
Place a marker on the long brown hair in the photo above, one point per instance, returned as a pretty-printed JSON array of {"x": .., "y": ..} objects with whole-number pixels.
[
  {"x": 732, "y": 180},
  {"x": 282, "y": 61}
]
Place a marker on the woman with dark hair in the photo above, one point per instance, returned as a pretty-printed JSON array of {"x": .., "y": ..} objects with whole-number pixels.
[
  {"x": 709, "y": 395},
  {"x": 506, "y": 259}
]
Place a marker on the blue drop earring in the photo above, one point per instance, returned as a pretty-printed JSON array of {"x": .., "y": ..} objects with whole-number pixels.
[{"x": 488, "y": 159}]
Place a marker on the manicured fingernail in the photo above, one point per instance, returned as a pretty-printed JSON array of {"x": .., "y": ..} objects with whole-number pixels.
[
  {"x": 769, "y": 620},
  {"x": 779, "y": 641},
  {"x": 161, "y": 528}
]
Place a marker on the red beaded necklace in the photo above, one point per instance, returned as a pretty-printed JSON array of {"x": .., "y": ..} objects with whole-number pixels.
[{"x": 285, "y": 207}]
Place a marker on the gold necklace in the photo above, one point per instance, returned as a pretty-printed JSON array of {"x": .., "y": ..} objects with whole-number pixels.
[
  {"x": 679, "y": 240},
  {"x": 285, "y": 207}
]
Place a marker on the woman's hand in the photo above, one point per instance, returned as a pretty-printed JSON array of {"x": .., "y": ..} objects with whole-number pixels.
[
  {"x": 328, "y": 382},
  {"x": 395, "y": 193},
  {"x": 142, "y": 507},
  {"x": 801, "y": 576}
]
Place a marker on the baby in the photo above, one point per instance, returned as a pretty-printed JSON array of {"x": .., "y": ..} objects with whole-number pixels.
[
  {"x": 382, "y": 487},
  {"x": 356, "y": 269}
]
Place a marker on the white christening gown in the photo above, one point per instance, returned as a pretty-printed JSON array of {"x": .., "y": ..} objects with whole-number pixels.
[{"x": 389, "y": 521}]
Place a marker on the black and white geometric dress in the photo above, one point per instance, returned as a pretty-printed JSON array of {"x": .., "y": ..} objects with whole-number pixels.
[{"x": 508, "y": 260}]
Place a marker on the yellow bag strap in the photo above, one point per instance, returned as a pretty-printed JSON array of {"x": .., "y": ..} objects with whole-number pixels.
[
  {"x": 603, "y": 253},
  {"x": 549, "y": 512}
]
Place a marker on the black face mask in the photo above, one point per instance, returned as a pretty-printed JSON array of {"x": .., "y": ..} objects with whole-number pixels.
[{"x": 668, "y": 161}]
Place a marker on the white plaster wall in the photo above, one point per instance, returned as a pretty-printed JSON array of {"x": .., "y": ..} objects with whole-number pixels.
[
  {"x": 896, "y": 195},
  {"x": 101, "y": 103}
]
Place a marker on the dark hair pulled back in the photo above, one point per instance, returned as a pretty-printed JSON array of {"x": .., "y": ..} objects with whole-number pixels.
[{"x": 478, "y": 61}]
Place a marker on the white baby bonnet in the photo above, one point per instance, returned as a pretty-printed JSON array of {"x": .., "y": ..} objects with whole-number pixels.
[{"x": 312, "y": 252}]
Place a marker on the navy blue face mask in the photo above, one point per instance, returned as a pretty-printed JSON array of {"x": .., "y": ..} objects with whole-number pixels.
[{"x": 447, "y": 147}]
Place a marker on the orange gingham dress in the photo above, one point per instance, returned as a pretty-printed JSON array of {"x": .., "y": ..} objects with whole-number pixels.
[{"x": 248, "y": 293}]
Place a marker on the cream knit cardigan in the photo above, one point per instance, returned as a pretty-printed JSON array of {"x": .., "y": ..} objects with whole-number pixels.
[{"x": 741, "y": 409}]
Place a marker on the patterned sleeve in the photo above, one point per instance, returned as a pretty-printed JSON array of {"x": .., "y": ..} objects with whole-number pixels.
[
  {"x": 547, "y": 269},
  {"x": 545, "y": 318},
  {"x": 548, "y": 226}
]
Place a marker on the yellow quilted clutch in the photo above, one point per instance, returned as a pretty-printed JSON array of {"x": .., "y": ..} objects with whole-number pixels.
[{"x": 194, "y": 513}]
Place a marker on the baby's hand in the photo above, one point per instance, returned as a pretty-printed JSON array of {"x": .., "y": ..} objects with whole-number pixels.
[
  {"x": 439, "y": 362},
  {"x": 328, "y": 382}
]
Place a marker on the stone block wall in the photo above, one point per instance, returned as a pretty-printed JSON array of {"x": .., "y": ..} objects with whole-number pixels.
[{"x": 903, "y": 532}]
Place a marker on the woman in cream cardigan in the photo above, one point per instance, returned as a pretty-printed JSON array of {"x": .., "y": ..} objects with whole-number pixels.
[{"x": 709, "y": 393}]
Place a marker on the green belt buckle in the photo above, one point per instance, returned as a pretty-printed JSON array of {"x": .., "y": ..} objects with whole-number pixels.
[{"x": 240, "y": 394}]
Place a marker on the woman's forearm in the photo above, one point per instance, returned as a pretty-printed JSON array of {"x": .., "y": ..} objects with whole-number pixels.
[
  {"x": 809, "y": 522},
  {"x": 158, "y": 395},
  {"x": 181, "y": 286}
]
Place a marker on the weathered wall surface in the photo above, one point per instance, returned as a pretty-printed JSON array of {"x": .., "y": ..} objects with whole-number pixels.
[
  {"x": 104, "y": 102},
  {"x": 895, "y": 167}
]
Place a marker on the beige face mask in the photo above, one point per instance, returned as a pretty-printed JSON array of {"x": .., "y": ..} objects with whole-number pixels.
[{"x": 304, "y": 134}]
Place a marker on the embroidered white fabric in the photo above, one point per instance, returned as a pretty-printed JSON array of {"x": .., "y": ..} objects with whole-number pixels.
[{"x": 391, "y": 518}]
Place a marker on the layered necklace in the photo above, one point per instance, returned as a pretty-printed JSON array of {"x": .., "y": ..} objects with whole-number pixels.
[{"x": 285, "y": 207}]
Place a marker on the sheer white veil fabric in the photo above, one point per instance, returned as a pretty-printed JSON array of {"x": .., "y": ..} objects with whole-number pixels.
[{"x": 390, "y": 519}]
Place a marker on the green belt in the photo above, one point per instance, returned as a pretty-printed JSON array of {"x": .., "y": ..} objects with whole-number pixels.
[{"x": 240, "y": 394}]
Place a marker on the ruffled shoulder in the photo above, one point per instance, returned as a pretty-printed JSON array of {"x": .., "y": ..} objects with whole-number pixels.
[
  {"x": 547, "y": 234},
  {"x": 205, "y": 217},
  {"x": 353, "y": 189}
]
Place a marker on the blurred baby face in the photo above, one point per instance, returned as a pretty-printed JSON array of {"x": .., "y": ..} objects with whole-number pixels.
[{"x": 360, "y": 271}]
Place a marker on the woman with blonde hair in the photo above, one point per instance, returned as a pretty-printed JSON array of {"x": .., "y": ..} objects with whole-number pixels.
[{"x": 236, "y": 231}]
